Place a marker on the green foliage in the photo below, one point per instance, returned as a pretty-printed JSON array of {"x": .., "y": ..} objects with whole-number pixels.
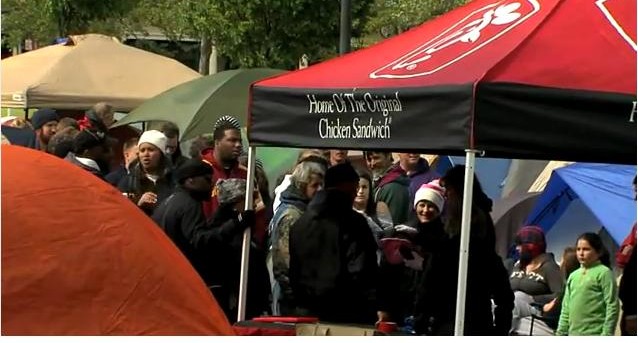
[
  {"x": 258, "y": 33},
  {"x": 75, "y": 16},
  {"x": 390, "y": 17},
  {"x": 249, "y": 33},
  {"x": 177, "y": 18},
  {"x": 184, "y": 52},
  {"x": 44, "y": 20},
  {"x": 26, "y": 19}
]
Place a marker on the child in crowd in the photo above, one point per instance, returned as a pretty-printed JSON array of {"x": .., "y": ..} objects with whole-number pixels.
[
  {"x": 590, "y": 303},
  {"x": 569, "y": 263}
]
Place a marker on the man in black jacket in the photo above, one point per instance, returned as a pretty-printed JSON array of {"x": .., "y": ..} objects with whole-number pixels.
[
  {"x": 182, "y": 218},
  {"x": 333, "y": 261},
  {"x": 129, "y": 153},
  {"x": 213, "y": 248},
  {"x": 171, "y": 131},
  {"x": 91, "y": 152}
]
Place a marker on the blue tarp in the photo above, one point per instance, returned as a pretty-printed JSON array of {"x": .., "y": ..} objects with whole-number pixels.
[{"x": 604, "y": 189}]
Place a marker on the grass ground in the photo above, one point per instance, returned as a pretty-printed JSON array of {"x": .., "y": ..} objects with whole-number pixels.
[{"x": 18, "y": 112}]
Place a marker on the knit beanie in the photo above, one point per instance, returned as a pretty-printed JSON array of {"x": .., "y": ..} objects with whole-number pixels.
[
  {"x": 432, "y": 192},
  {"x": 230, "y": 120},
  {"x": 43, "y": 116},
  {"x": 192, "y": 168},
  {"x": 532, "y": 239},
  {"x": 341, "y": 173},
  {"x": 154, "y": 137},
  {"x": 87, "y": 139},
  {"x": 230, "y": 190}
]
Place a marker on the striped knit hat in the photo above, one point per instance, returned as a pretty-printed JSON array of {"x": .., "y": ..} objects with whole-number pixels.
[
  {"x": 227, "y": 120},
  {"x": 532, "y": 237},
  {"x": 432, "y": 192}
]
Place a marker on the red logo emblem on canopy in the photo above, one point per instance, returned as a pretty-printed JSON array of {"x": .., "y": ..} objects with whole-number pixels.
[
  {"x": 619, "y": 19},
  {"x": 463, "y": 38}
]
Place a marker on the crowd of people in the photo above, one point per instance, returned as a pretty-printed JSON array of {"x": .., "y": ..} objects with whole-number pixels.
[{"x": 348, "y": 243}]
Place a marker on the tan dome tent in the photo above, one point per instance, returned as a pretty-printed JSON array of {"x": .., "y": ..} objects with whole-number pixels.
[{"x": 85, "y": 70}]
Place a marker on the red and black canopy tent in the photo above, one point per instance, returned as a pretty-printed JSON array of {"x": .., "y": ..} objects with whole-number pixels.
[{"x": 535, "y": 79}]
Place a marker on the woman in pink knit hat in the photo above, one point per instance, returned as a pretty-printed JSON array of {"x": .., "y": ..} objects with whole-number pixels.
[
  {"x": 489, "y": 298},
  {"x": 429, "y": 201},
  {"x": 425, "y": 233}
]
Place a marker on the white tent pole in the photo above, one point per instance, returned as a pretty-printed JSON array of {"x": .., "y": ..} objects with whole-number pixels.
[
  {"x": 466, "y": 218},
  {"x": 245, "y": 247}
]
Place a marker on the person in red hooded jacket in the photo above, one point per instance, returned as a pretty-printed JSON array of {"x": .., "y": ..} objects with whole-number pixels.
[
  {"x": 629, "y": 243},
  {"x": 224, "y": 158}
]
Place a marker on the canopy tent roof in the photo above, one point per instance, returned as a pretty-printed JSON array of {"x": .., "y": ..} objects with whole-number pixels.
[
  {"x": 509, "y": 215},
  {"x": 512, "y": 78},
  {"x": 78, "y": 258},
  {"x": 85, "y": 70},
  {"x": 605, "y": 189},
  {"x": 543, "y": 177},
  {"x": 196, "y": 105},
  {"x": 520, "y": 176}
]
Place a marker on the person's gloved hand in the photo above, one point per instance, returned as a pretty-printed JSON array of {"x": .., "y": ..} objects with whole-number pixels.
[
  {"x": 405, "y": 229},
  {"x": 415, "y": 263},
  {"x": 246, "y": 219}
]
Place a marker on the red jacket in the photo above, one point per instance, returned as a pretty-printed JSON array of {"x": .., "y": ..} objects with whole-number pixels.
[
  {"x": 236, "y": 172},
  {"x": 622, "y": 259}
]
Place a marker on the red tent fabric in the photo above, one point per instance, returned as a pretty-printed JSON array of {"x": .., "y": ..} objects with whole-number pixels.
[
  {"x": 80, "y": 259},
  {"x": 541, "y": 79}
]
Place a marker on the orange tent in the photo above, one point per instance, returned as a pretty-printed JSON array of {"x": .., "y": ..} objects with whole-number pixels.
[{"x": 80, "y": 259}]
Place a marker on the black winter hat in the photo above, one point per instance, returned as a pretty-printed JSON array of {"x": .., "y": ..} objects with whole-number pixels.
[
  {"x": 87, "y": 139},
  {"x": 43, "y": 116},
  {"x": 341, "y": 173},
  {"x": 192, "y": 168}
]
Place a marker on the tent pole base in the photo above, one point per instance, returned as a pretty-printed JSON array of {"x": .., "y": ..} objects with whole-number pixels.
[
  {"x": 459, "y": 321},
  {"x": 245, "y": 248}
]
